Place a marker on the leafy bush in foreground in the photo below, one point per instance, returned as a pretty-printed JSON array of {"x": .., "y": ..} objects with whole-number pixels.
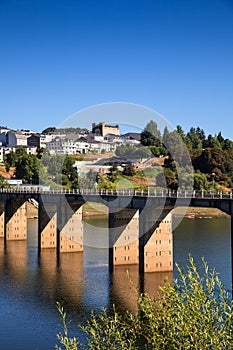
[{"x": 193, "y": 313}]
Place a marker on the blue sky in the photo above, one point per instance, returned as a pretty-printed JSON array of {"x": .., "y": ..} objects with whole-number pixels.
[{"x": 61, "y": 56}]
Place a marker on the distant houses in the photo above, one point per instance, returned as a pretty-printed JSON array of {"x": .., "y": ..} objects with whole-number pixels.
[{"x": 103, "y": 138}]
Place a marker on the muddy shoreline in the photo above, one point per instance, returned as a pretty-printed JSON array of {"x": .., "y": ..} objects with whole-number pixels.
[{"x": 100, "y": 210}]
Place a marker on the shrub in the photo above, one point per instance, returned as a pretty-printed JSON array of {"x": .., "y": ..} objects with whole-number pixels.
[{"x": 195, "y": 312}]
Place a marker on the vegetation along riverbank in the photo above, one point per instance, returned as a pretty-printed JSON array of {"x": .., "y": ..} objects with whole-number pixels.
[{"x": 195, "y": 312}]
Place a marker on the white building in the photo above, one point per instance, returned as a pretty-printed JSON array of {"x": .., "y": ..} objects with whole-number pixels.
[
  {"x": 14, "y": 138},
  {"x": 83, "y": 146},
  {"x": 28, "y": 149},
  {"x": 62, "y": 146}
]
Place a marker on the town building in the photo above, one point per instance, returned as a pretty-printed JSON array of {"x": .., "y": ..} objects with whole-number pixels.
[
  {"x": 61, "y": 145},
  {"x": 16, "y": 138},
  {"x": 39, "y": 140},
  {"x": 104, "y": 129}
]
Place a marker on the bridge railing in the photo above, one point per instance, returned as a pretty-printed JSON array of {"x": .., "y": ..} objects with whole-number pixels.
[{"x": 126, "y": 193}]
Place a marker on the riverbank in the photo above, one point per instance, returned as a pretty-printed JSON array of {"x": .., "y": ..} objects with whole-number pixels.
[
  {"x": 198, "y": 212},
  {"x": 98, "y": 209},
  {"x": 89, "y": 209}
]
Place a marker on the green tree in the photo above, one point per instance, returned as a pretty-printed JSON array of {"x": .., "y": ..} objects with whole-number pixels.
[
  {"x": 39, "y": 152},
  {"x": 49, "y": 130},
  {"x": 151, "y": 136},
  {"x": 27, "y": 168},
  {"x": 167, "y": 179},
  {"x": 129, "y": 170},
  {"x": 10, "y": 158},
  {"x": 165, "y": 135},
  {"x": 180, "y": 132},
  {"x": 133, "y": 152},
  {"x": 113, "y": 173},
  {"x": 54, "y": 166},
  {"x": 7, "y": 167},
  {"x": 88, "y": 181},
  {"x": 195, "y": 137},
  {"x": 158, "y": 151},
  {"x": 3, "y": 183},
  {"x": 212, "y": 142},
  {"x": 227, "y": 145},
  {"x": 200, "y": 181}
]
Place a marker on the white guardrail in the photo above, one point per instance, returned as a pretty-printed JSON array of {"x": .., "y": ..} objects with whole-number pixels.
[{"x": 126, "y": 193}]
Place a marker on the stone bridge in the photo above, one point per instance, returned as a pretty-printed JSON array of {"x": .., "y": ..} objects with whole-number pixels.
[{"x": 140, "y": 224}]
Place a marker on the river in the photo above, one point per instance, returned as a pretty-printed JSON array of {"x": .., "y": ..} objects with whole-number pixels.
[{"x": 31, "y": 286}]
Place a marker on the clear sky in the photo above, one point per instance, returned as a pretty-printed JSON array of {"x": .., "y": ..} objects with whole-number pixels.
[{"x": 60, "y": 56}]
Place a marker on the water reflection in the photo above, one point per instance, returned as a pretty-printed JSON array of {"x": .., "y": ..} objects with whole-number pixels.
[
  {"x": 125, "y": 287},
  {"x": 31, "y": 285},
  {"x": 207, "y": 238}
]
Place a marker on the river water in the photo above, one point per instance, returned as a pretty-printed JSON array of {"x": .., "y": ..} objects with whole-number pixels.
[{"x": 31, "y": 286}]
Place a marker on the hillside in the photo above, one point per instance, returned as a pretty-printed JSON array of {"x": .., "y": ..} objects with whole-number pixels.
[{"x": 7, "y": 175}]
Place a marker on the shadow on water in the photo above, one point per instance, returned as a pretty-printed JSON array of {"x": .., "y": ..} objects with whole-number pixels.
[{"x": 30, "y": 286}]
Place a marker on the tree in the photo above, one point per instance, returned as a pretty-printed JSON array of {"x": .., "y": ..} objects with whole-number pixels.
[
  {"x": 113, "y": 173},
  {"x": 165, "y": 135},
  {"x": 200, "y": 181},
  {"x": 49, "y": 130},
  {"x": 54, "y": 166},
  {"x": 89, "y": 180},
  {"x": 180, "y": 132},
  {"x": 220, "y": 138},
  {"x": 195, "y": 137},
  {"x": 212, "y": 142},
  {"x": 227, "y": 144},
  {"x": 3, "y": 183},
  {"x": 167, "y": 179},
  {"x": 133, "y": 152},
  {"x": 10, "y": 158},
  {"x": 151, "y": 136},
  {"x": 129, "y": 170},
  {"x": 39, "y": 152},
  {"x": 7, "y": 167},
  {"x": 176, "y": 148},
  {"x": 158, "y": 151},
  {"x": 194, "y": 312},
  {"x": 27, "y": 168}
]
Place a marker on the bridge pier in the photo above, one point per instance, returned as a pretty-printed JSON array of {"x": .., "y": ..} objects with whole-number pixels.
[
  {"x": 123, "y": 237},
  {"x": 15, "y": 223},
  {"x": 144, "y": 239},
  {"x": 60, "y": 226},
  {"x": 156, "y": 240},
  {"x": 70, "y": 227},
  {"x": 47, "y": 225}
]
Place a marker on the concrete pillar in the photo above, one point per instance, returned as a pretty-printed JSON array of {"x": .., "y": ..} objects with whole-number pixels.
[
  {"x": 15, "y": 219},
  {"x": 47, "y": 225},
  {"x": 158, "y": 252},
  {"x": 123, "y": 237},
  {"x": 2, "y": 215},
  {"x": 70, "y": 227},
  {"x": 156, "y": 241}
]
